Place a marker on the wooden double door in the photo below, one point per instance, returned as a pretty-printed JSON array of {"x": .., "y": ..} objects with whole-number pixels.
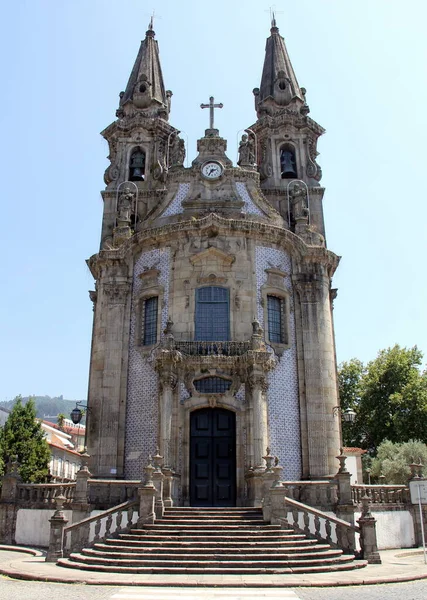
[{"x": 213, "y": 457}]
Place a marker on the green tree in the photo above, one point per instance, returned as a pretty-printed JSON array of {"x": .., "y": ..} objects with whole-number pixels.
[
  {"x": 349, "y": 381},
  {"x": 390, "y": 408},
  {"x": 393, "y": 461},
  {"x": 389, "y": 396},
  {"x": 23, "y": 436}
]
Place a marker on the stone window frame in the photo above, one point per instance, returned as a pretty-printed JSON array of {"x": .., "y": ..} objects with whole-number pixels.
[
  {"x": 147, "y": 293},
  {"x": 227, "y": 302},
  {"x": 210, "y": 375},
  {"x": 284, "y": 297}
]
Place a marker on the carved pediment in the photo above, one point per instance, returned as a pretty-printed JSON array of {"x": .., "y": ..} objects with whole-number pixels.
[
  {"x": 212, "y": 254},
  {"x": 276, "y": 277},
  {"x": 149, "y": 277}
]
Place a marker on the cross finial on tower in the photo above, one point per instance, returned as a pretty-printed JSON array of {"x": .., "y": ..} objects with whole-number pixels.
[
  {"x": 151, "y": 23},
  {"x": 273, "y": 13},
  {"x": 211, "y": 107}
]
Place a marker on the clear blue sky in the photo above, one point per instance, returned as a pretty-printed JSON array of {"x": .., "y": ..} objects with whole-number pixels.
[{"x": 64, "y": 64}]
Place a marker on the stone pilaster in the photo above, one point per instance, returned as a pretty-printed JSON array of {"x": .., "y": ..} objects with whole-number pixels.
[
  {"x": 108, "y": 377},
  {"x": 322, "y": 435},
  {"x": 258, "y": 389},
  {"x": 167, "y": 381}
]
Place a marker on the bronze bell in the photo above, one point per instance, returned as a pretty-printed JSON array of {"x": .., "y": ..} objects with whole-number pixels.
[
  {"x": 137, "y": 166},
  {"x": 287, "y": 165},
  {"x": 136, "y": 174}
]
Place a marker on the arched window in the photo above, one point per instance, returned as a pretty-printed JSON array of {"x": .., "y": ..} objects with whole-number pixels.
[
  {"x": 212, "y": 318},
  {"x": 212, "y": 385},
  {"x": 288, "y": 162},
  {"x": 137, "y": 165}
]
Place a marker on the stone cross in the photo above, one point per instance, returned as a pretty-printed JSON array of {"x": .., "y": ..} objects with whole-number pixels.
[{"x": 211, "y": 107}]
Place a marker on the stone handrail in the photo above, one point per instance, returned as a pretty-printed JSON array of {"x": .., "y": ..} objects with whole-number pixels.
[
  {"x": 345, "y": 532},
  {"x": 314, "y": 493},
  {"x": 213, "y": 348},
  {"x": 106, "y": 493},
  {"x": 88, "y": 531},
  {"x": 44, "y": 494},
  {"x": 381, "y": 494}
]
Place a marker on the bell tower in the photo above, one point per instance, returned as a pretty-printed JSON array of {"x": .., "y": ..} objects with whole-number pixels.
[
  {"x": 287, "y": 138},
  {"x": 143, "y": 147}
]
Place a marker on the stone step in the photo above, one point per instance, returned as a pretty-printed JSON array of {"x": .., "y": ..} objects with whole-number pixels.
[
  {"x": 214, "y": 549},
  {"x": 213, "y": 563},
  {"x": 212, "y": 523},
  {"x": 203, "y": 557},
  {"x": 190, "y": 540},
  {"x": 209, "y": 516},
  {"x": 214, "y": 518},
  {"x": 194, "y": 526},
  {"x": 212, "y": 509},
  {"x": 182, "y": 543},
  {"x": 64, "y": 562},
  {"x": 259, "y": 536}
]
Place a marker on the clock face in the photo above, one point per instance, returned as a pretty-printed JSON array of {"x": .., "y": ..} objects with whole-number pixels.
[{"x": 212, "y": 170}]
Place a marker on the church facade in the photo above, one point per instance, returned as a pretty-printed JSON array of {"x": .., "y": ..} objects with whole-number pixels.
[{"x": 213, "y": 333}]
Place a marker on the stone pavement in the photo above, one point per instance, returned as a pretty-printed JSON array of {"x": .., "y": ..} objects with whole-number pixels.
[{"x": 397, "y": 565}]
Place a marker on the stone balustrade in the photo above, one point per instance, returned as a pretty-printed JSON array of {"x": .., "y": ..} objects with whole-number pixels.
[
  {"x": 324, "y": 527},
  {"x": 105, "y": 493},
  {"x": 381, "y": 494},
  {"x": 93, "y": 530},
  {"x": 213, "y": 348},
  {"x": 43, "y": 495},
  {"x": 314, "y": 493}
]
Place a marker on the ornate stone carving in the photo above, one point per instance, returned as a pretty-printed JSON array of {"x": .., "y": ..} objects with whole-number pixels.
[
  {"x": 298, "y": 198},
  {"x": 313, "y": 169},
  {"x": 246, "y": 152},
  {"x": 258, "y": 381},
  {"x": 167, "y": 379},
  {"x": 116, "y": 293},
  {"x": 125, "y": 206},
  {"x": 276, "y": 277},
  {"x": 149, "y": 277},
  {"x": 176, "y": 152},
  {"x": 310, "y": 288}
]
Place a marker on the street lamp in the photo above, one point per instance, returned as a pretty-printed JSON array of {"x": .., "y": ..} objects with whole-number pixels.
[
  {"x": 348, "y": 415},
  {"x": 76, "y": 414}
]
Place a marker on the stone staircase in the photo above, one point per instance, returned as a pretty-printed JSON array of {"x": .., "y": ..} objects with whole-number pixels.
[{"x": 211, "y": 541}]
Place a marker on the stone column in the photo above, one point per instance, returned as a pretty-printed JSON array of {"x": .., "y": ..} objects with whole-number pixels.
[
  {"x": 368, "y": 534},
  {"x": 80, "y": 504},
  {"x": 167, "y": 381},
  {"x": 259, "y": 386},
  {"x": 57, "y": 525},
  {"x": 167, "y": 486},
  {"x": 319, "y": 388},
  {"x": 158, "y": 479},
  {"x": 108, "y": 373},
  {"x": 147, "y": 495}
]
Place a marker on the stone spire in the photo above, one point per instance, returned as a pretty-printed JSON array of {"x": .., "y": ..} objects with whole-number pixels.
[
  {"x": 279, "y": 85},
  {"x": 145, "y": 88}
]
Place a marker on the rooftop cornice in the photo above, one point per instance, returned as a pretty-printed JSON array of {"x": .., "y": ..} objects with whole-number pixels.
[{"x": 263, "y": 231}]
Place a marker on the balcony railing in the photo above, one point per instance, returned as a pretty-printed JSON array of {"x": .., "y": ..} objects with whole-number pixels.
[{"x": 213, "y": 348}]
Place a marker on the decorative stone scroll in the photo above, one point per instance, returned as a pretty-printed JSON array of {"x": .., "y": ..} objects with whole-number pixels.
[{"x": 116, "y": 293}]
